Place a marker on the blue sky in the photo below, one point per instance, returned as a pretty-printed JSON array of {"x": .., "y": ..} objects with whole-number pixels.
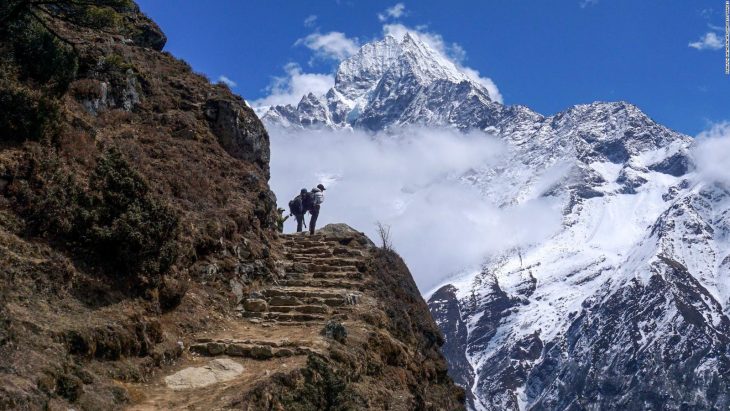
[{"x": 665, "y": 56}]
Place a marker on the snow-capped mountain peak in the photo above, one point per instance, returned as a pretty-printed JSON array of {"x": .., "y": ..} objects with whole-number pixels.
[
  {"x": 406, "y": 75},
  {"x": 359, "y": 73}
]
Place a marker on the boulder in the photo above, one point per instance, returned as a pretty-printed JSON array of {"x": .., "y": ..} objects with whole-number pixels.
[
  {"x": 336, "y": 331},
  {"x": 345, "y": 235},
  {"x": 237, "y": 350},
  {"x": 215, "y": 348},
  {"x": 256, "y": 305},
  {"x": 261, "y": 352},
  {"x": 239, "y": 131},
  {"x": 218, "y": 370}
]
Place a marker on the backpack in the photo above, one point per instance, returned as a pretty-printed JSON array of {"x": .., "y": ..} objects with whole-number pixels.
[
  {"x": 296, "y": 206},
  {"x": 308, "y": 202}
]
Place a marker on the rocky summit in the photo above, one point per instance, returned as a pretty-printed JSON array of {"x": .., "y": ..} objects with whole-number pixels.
[
  {"x": 626, "y": 305},
  {"x": 141, "y": 263}
]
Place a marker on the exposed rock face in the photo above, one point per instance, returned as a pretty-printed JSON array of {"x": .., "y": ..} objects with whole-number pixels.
[
  {"x": 444, "y": 307},
  {"x": 624, "y": 303},
  {"x": 239, "y": 131}
]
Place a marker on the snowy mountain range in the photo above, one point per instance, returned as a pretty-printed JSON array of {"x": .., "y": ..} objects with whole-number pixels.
[{"x": 626, "y": 306}]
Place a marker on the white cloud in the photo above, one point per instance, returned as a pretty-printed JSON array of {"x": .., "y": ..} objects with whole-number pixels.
[
  {"x": 587, "y": 3},
  {"x": 310, "y": 20},
  {"x": 392, "y": 12},
  {"x": 712, "y": 154},
  {"x": 333, "y": 45},
  {"x": 450, "y": 51},
  {"x": 486, "y": 82},
  {"x": 289, "y": 89},
  {"x": 227, "y": 81},
  {"x": 710, "y": 41},
  {"x": 409, "y": 180}
]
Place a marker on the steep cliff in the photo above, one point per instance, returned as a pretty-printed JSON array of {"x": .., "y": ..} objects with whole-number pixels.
[{"x": 135, "y": 217}]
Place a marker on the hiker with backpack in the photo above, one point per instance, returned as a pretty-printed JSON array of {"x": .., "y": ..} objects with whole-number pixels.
[
  {"x": 307, "y": 201},
  {"x": 317, "y": 198},
  {"x": 298, "y": 207}
]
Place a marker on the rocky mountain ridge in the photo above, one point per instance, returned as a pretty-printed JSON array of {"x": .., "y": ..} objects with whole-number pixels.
[{"x": 626, "y": 305}]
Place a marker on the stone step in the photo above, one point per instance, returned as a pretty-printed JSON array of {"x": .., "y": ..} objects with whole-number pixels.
[
  {"x": 306, "y": 256},
  {"x": 320, "y": 283},
  {"x": 304, "y": 309},
  {"x": 347, "y": 252},
  {"x": 303, "y": 292},
  {"x": 284, "y": 300},
  {"x": 277, "y": 301},
  {"x": 312, "y": 243},
  {"x": 300, "y": 324},
  {"x": 312, "y": 296},
  {"x": 282, "y": 316},
  {"x": 321, "y": 268},
  {"x": 307, "y": 243},
  {"x": 338, "y": 273},
  {"x": 242, "y": 349},
  {"x": 332, "y": 261},
  {"x": 299, "y": 317},
  {"x": 295, "y": 255},
  {"x": 273, "y": 343},
  {"x": 327, "y": 275}
]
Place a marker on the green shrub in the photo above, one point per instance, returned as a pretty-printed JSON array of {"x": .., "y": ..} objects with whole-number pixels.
[
  {"x": 116, "y": 223},
  {"x": 42, "y": 57},
  {"x": 114, "y": 63},
  {"x": 130, "y": 229},
  {"x": 99, "y": 17},
  {"x": 26, "y": 114}
]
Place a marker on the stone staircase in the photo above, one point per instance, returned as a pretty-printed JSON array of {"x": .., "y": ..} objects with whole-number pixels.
[
  {"x": 323, "y": 280},
  {"x": 278, "y": 324}
]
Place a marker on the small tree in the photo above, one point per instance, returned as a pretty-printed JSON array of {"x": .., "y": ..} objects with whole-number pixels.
[{"x": 386, "y": 242}]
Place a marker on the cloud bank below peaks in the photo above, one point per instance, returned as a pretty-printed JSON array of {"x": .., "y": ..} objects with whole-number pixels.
[{"x": 410, "y": 180}]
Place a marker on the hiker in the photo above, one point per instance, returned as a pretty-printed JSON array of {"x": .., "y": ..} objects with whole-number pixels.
[
  {"x": 317, "y": 197},
  {"x": 298, "y": 206},
  {"x": 280, "y": 219}
]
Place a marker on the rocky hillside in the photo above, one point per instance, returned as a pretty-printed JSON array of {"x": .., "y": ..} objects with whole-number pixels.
[
  {"x": 344, "y": 328},
  {"x": 626, "y": 305},
  {"x": 135, "y": 217}
]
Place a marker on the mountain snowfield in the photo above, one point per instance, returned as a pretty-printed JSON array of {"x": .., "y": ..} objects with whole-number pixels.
[{"x": 626, "y": 305}]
